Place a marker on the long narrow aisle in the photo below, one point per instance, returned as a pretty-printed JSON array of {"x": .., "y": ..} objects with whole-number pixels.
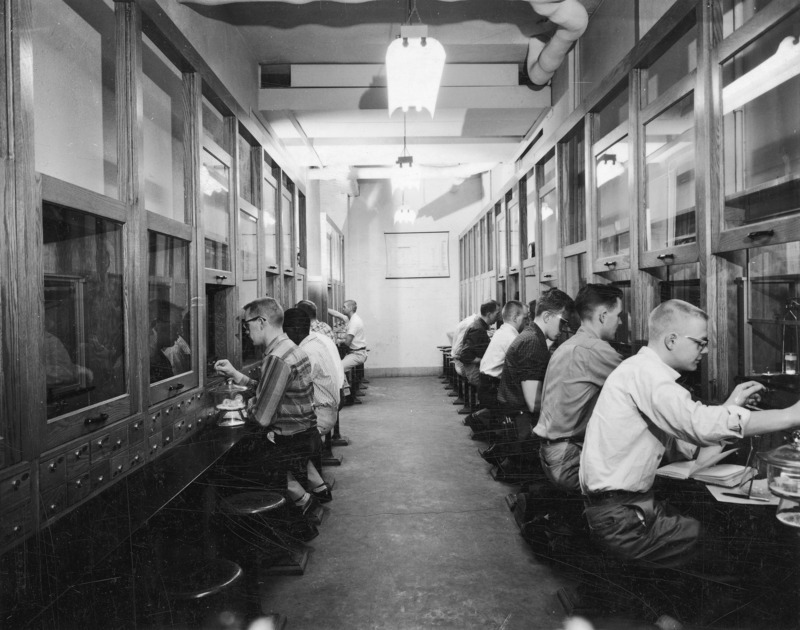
[{"x": 418, "y": 534}]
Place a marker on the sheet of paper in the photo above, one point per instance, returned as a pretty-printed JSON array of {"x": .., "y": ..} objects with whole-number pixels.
[
  {"x": 710, "y": 455},
  {"x": 717, "y": 491}
]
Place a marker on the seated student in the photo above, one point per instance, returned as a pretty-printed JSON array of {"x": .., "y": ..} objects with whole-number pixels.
[
  {"x": 327, "y": 377},
  {"x": 476, "y": 340},
  {"x": 355, "y": 341},
  {"x": 519, "y": 393},
  {"x": 284, "y": 399},
  {"x": 514, "y": 316},
  {"x": 310, "y": 309},
  {"x": 575, "y": 374},
  {"x": 640, "y": 412},
  {"x": 458, "y": 341}
]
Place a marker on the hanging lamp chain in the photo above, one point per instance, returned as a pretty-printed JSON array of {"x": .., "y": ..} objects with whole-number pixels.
[{"x": 411, "y": 8}]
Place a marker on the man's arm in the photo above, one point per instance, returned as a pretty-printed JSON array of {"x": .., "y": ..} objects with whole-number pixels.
[
  {"x": 474, "y": 346},
  {"x": 348, "y": 339},
  {"x": 338, "y": 315},
  {"x": 772, "y": 420},
  {"x": 532, "y": 391}
]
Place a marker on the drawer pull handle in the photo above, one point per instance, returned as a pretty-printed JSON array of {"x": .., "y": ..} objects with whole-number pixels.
[
  {"x": 117, "y": 444},
  {"x": 166, "y": 440},
  {"x": 101, "y": 442},
  {"x": 221, "y": 277},
  {"x": 760, "y": 233},
  {"x": 119, "y": 468},
  {"x": 17, "y": 529},
  {"x": 610, "y": 263},
  {"x": 99, "y": 419},
  {"x": 15, "y": 484},
  {"x": 100, "y": 479},
  {"x": 175, "y": 388},
  {"x": 547, "y": 275},
  {"x": 78, "y": 483},
  {"x": 52, "y": 507},
  {"x": 666, "y": 256},
  {"x": 136, "y": 425},
  {"x": 53, "y": 467},
  {"x": 78, "y": 454}
]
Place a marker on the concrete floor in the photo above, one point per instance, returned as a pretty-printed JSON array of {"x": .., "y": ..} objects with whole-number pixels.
[{"x": 418, "y": 534}]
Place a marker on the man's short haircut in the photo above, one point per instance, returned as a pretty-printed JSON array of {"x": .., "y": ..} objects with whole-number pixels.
[
  {"x": 593, "y": 296},
  {"x": 268, "y": 308},
  {"x": 487, "y": 308},
  {"x": 351, "y": 304},
  {"x": 554, "y": 301},
  {"x": 666, "y": 316},
  {"x": 308, "y": 307},
  {"x": 296, "y": 324},
  {"x": 511, "y": 309}
]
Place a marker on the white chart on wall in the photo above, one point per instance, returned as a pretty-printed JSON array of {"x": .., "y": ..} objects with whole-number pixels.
[{"x": 417, "y": 254}]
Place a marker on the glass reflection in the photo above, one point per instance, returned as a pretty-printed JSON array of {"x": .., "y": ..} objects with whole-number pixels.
[
  {"x": 169, "y": 295},
  {"x": 613, "y": 220},
  {"x": 84, "y": 322},
  {"x": 215, "y": 190}
]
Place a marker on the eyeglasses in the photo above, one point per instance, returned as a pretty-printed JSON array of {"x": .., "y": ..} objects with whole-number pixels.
[
  {"x": 564, "y": 324},
  {"x": 702, "y": 344},
  {"x": 246, "y": 323}
]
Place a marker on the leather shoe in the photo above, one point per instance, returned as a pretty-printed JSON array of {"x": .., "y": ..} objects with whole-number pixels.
[
  {"x": 322, "y": 493},
  {"x": 491, "y": 456}
]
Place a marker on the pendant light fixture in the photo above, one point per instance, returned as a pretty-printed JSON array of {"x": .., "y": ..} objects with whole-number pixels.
[
  {"x": 414, "y": 65},
  {"x": 405, "y": 175}
]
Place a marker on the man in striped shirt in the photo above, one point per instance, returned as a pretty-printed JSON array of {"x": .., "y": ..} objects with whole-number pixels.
[{"x": 284, "y": 395}]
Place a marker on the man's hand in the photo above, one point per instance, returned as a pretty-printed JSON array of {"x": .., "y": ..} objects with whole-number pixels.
[
  {"x": 224, "y": 368},
  {"x": 745, "y": 394}
]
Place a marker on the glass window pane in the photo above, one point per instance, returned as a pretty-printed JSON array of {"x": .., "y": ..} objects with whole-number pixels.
[
  {"x": 162, "y": 90},
  {"x": 490, "y": 240},
  {"x": 270, "y": 224},
  {"x": 671, "y": 67},
  {"x": 513, "y": 230},
  {"x": 75, "y": 105},
  {"x": 574, "y": 197},
  {"x": 613, "y": 214},
  {"x": 502, "y": 244},
  {"x": 735, "y": 13},
  {"x": 215, "y": 191},
  {"x": 84, "y": 326},
  {"x": 576, "y": 273},
  {"x": 171, "y": 340},
  {"x": 623, "y": 338},
  {"x": 606, "y": 32},
  {"x": 287, "y": 222},
  {"x": 530, "y": 216},
  {"x": 669, "y": 175},
  {"x": 248, "y": 286},
  {"x": 611, "y": 115},
  {"x": 761, "y": 126},
  {"x": 650, "y": 11},
  {"x": 548, "y": 206},
  {"x": 773, "y": 316},
  {"x": 213, "y": 123},
  {"x": 216, "y": 326},
  {"x": 246, "y": 189}
]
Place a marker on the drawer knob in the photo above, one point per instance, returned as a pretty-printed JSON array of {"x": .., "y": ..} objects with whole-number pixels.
[
  {"x": 118, "y": 444},
  {"x": 100, "y": 443},
  {"x": 119, "y": 468},
  {"x": 100, "y": 478},
  {"x": 78, "y": 482},
  {"x": 17, "y": 529},
  {"x": 15, "y": 484},
  {"x": 52, "y": 507},
  {"x": 78, "y": 454}
]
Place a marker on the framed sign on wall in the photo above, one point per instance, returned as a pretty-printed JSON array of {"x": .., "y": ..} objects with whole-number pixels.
[{"x": 417, "y": 254}]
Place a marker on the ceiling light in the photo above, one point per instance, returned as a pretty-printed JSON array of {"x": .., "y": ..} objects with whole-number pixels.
[
  {"x": 608, "y": 169},
  {"x": 405, "y": 175},
  {"x": 404, "y": 214},
  {"x": 414, "y": 65}
]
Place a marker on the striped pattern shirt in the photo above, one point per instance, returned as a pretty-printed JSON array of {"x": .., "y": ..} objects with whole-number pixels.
[
  {"x": 323, "y": 329},
  {"x": 285, "y": 394},
  {"x": 324, "y": 371}
]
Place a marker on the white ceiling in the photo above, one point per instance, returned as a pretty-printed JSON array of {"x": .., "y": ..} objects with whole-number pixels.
[{"x": 332, "y": 111}]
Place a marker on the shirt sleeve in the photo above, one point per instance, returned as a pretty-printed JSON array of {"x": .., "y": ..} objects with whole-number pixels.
[
  {"x": 599, "y": 362},
  {"x": 536, "y": 367},
  {"x": 475, "y": 343},
  {"x": 671, "y": 408},
  {"x": 275, "y": 377}
]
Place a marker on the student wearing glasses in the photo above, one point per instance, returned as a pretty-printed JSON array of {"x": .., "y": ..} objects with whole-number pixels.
[
  {"x": 520, "y": 389},
  {"x": 640, "y": 413}
]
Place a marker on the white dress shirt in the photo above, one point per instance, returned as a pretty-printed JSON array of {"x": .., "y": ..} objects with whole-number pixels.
[
  {"x": 324, "y": 370},
  {"x": 640, "y": 410},
  {"x": 495, "y": 355},
  {"x": 355, "y": 327},
  {"x": 458, "y": 334}
]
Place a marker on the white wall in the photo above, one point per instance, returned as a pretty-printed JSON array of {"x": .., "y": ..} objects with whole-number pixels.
[{"x": 405, "y": 319}]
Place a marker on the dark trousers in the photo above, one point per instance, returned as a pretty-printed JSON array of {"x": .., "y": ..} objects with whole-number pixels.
[{"x": 487, "y": 391}]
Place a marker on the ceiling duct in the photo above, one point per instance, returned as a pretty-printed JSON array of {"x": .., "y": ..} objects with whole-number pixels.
[{"x": 571, "y": 19}]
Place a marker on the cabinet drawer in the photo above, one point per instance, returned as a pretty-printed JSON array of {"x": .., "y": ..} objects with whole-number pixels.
[
  {"x": 179, "y": 428},
  {"x": 100, "y": 448},
  {"x": 167, "y": 435},
  {"x": 52, "y": 472},
  {"x": 78, "y": 487},
  {"x": 136, "y": 431},
  {"x": 153, "y": 445},
  {"x": 77, "y": 460},
  {"x": 14, "y": 524},
  {"x": 15, "y": 488},
  {"x": 100, "y": 475},
  {"x": 118, "y": 440},
  {"x": 152, "y": 423},
  {"x": 137, "y": 456},
  {"x": 119, "y": 464},
  {"x": 53, "y": 501}
]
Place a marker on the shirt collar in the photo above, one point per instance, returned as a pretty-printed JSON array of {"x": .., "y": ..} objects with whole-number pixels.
[
  {"x": 510, "y": 328},
  {"x": 652, "y": 355},
  {"x": 588, "y": 332},
  {"x": 275, "y": 342}
]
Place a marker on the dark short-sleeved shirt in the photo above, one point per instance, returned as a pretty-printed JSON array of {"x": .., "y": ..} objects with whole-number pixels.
[
  {"x": 575, "y": 375},
  {"x": 285, "y": 392},
  {"x": 526, "y": 360},
  {"x": 476, "y": 340}
]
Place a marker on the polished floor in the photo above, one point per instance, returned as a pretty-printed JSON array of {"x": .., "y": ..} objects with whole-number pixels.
[{"x": 418, "y": 534}]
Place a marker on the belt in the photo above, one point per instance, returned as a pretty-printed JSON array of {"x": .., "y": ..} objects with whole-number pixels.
[
  {"x": 612, "y": 496},
  {"x": 569, "y": 438}
]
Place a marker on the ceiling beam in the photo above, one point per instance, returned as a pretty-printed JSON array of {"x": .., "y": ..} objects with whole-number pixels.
[
  {"x": 327, "y": 98},
  {"x": 374, "y": 75}
]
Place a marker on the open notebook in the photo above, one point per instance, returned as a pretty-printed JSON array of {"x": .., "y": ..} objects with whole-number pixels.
[{"x": 707, "y": 469}]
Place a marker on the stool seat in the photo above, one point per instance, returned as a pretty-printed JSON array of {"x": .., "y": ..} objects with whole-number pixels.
[
  {"x": 201, "y": 578},
  {"x": 254, "y": 502}
]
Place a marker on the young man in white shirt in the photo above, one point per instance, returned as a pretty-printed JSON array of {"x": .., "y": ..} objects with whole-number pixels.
[
  {"x": 354, "y": 340},
  {"x": 514, "y": 318},
  {"x": 640, "y": 412}
]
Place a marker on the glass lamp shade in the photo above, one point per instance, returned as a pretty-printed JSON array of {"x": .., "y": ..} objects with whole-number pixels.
[
  {"x": 406, "y": 178},
  {"x": 413, "y": 73},
  {"x": 783, "y": 474}
]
